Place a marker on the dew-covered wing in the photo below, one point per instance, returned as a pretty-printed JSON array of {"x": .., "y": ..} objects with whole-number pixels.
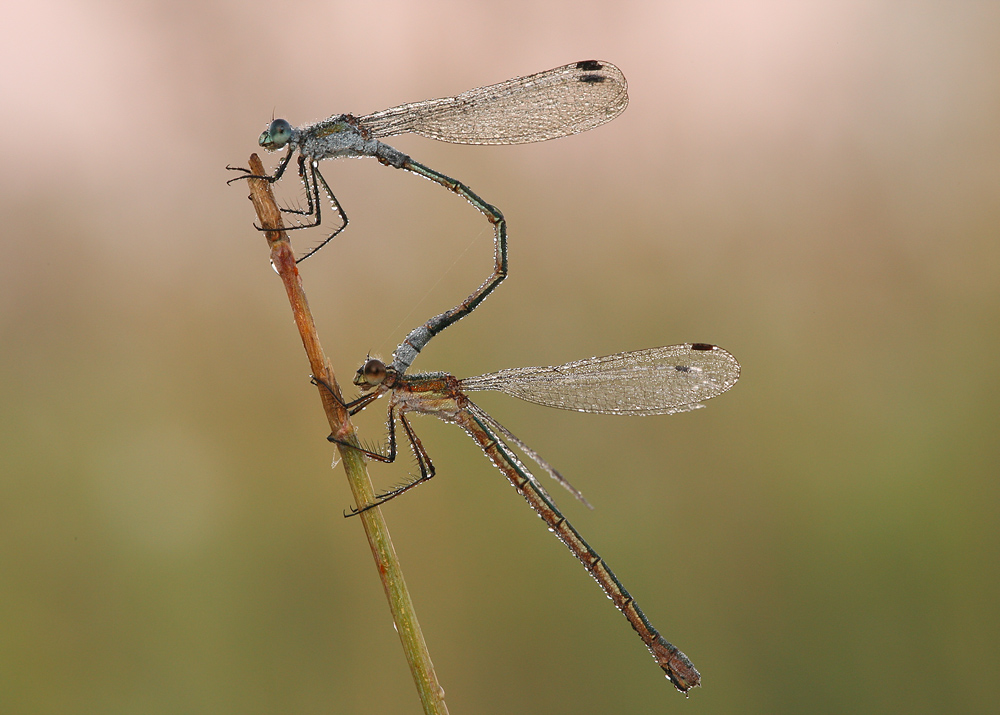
[
  {"x": 675, "y": 378},
  {"x": 555, "y": 103}
]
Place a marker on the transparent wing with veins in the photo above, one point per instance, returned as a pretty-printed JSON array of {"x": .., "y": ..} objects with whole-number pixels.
[
  {"x": 555, "y": 103},
  {"x": 657, "y": 381}
]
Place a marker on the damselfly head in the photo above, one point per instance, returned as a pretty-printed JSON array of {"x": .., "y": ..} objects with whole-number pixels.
[
  {"x": 371, "y": 374},
  {"x": 277, "y": 134}
]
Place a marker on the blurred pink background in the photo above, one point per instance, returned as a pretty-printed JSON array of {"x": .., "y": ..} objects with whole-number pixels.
[{"x": 813, "y": 186}]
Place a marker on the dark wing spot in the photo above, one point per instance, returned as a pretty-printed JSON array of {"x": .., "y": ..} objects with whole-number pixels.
[
  {"x": 682, "y": 368},
  {"x": 591, "y": 78},
  {"x": 702, "y": 346},
  {"x": 589, "y": 65}
]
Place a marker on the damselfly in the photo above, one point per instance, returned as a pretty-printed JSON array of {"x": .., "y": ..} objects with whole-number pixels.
[
  {"x": 644, "y": 382},
  {"x": 555, "y": 103}
]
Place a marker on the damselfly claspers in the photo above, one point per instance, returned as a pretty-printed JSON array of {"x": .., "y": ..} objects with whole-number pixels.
[{"x": 555, "y": 103}]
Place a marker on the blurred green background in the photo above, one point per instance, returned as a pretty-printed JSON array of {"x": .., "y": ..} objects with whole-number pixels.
[{"x": 814, "y": 186}]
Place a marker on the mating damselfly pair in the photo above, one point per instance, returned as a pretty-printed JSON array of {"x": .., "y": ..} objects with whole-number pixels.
[{"x": 562, "y": 101}]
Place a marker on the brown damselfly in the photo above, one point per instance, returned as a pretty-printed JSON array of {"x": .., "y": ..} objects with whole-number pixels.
[{"x": 657, "y": 381}]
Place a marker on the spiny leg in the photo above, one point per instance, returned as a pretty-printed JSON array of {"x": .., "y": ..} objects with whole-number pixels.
[
  {"x": 427, "y": 470},
  {"x": 354, "y": 407},
  {"x": 313, "y": 204},
  {"x": 389, "y": 456},
  {"x": 423, "y": 461},
  {"x": 317, "y": 179},
  {"x": 311, "y": 180},
  {"x": 277, "y": 172},
  {"x": 309, "y": 191}
]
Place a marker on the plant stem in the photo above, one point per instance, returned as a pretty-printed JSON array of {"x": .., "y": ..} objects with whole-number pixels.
[{"x": 387, "y": 563}]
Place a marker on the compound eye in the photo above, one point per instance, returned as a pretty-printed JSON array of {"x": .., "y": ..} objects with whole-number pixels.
[
  {"x": 276, "y": 136},
  {"x": 374, "y": 371}
]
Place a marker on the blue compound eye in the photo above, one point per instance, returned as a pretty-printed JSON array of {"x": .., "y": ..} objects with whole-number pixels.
[{"x": 276, "y": 136}]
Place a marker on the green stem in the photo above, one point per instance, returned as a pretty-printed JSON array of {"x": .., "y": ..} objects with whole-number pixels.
[{"x": 387, "y": 563}]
